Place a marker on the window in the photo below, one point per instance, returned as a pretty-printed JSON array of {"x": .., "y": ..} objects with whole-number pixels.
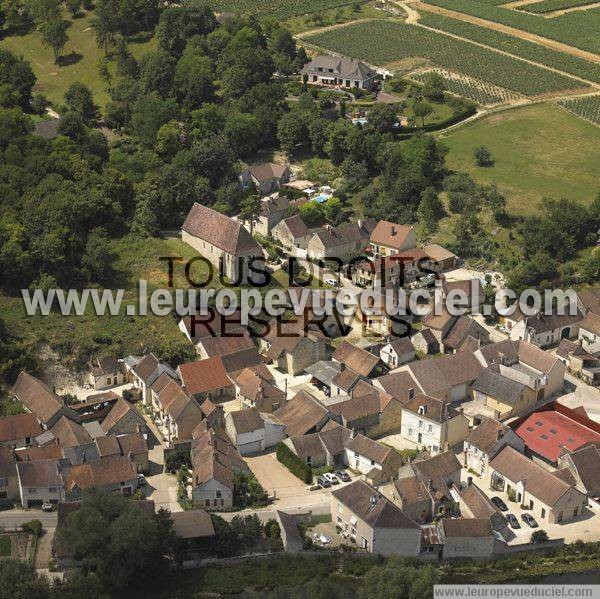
[
  {"x": 52, "y": 489},
  {"x": 339, "y": 520},
  {"x": 539, "y": 423},
  {"x": 530, "y": 504},
  {"x": 340, "y": 508},
  {"x": 420, "y": 424},
  {"x": 430, "y": 428},
  {"x": 3, "y": 482},
  {"x": 530, "y": 429},
  {"x": 372, "y": 462},
  {"x": 3, "y": 494},
  {"x": 543, "y": 437},
  {"x": 575, "y": 512},
  {"x": 543, "y": 512},
  {"x": 364, "y": 543},
  {"x": 207, "y": 503},
  {"x": 553, "y": 431},
  {"x": 32, "y": 491},
  {"x": 218, "y": 493}
]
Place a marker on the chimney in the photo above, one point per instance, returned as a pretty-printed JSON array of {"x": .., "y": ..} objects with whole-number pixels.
[
  {"x": 360, "y": 223},
  {"x": 430, "y": 484},
  {"x": 501, "y": 358},
  {"x": 393, "y": 230},
  {"x": 352, "y": 434},
  {"x": 411, "y": 393},
  {"x": 83, "y": 457},
  {"x": 469, "y": 481},
  {"x": 499, "y": 434}
]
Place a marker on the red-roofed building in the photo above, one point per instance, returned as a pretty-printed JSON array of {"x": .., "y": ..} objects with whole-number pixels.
[{"x": 554, "y": 430}]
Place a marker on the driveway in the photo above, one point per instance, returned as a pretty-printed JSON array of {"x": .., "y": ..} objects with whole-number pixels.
[
  {"x": 14, "y": 518},
  {"x": 585, "y": 527},
  {"x": 583, "y": 395}
]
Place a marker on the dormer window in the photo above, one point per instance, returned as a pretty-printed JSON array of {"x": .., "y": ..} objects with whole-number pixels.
[{"x": 422, "y": 410}]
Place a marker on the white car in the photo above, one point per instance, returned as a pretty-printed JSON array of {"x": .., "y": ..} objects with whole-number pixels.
[
  {"x": 332, "y": 478},
  {"x": 332, "y": 282},
  {"x": 142, "y": 480}
]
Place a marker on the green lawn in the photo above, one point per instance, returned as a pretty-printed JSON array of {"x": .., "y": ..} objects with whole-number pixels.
[
  {"x": 5, "y": 546},
  {"x": 538, "y": 150},
  {"x": 333, "y": 16},
  {"x": 79, "y": 59},
  {"x": 134, "y": 259}
]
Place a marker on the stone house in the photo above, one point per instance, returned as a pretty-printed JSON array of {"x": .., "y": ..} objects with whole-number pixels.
[
  {"x": 19, "y": 430},
  {"x": 273, "y": 209},
  {"x": 9, "y": 480},
  {"x": 589, "y": 333},
  {"x": 389, "y": 239},
  {"x": 439, "y": 259},
  {"x": 267, "y": 178},
  {"x": 426, "y": 342},
  {"x": 206, "y": 379},
  {"x": 485, "y": 441},
  {"x": 373, "y": 522},
  {"x": 106, "y": 372},
  {"x": 224, "y": 242},
  {"x": 123, "y": 418},
  {"x": 397, "y": 351},
  {"x": 292, "y": 233},
  {"x": 41, "y": 482},
  {"x": 339, "y": 71},
  {"x": 303, "y": 414},
  {"x": 325, "y": 448},
  {"x": 549, "y": 498},
  {"x": 257, "y": 390},
  {"x": 112, "y": 474},
  {"x": 378, "y": 462},
  {"x": 251, "y": 432},
  {"x": 467, "y": 538},
  {"x": 584, "y": 466},
  {"x": 341, "y": 241},
  {"x": 178, "y": 412},
  {"x": 145, "y": 371},
  {"x": 578, "y": 361},
  {"x": 290, "y": 534}
]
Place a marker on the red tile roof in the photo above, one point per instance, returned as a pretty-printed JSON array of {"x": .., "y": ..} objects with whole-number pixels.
[
  {"x": 19, "y": 426},
  {"x": 204, "y": 376}
]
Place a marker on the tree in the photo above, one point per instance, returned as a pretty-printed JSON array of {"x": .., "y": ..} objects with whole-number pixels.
[
  {"x": 168, "y": 140},
  {"x": 422, "y": 110},
  {"x": 150, "y": 113},
  {"x": 54, "y": 35},
  {"x": 291, "y": 131},
  {"x": 311, "y": 213},
  {"x": 193, "y": 80},
  {"x": 18, "y": 580},
  {"x": 43, "y": 11},
  {"x": 539, "y": 536},
  {"x": 97, "y": 258},
  {"x": 74, "y": 6},
  {"x": 590, "y": 269},
  {"x": 250, "y": 210},
  {"x": 483, "y": 157},
  {"x": 431, "y": 209},
  {"x": 242, "y": 133},
  {"x": 106, "y": 23},
  {"x": 434, "y": 87},
  {"x": 333, "y": 211},
  {"x": 382, "y": 117},
  {"x": 79, "y": 100},
  {"x": 18, "y": 75}
]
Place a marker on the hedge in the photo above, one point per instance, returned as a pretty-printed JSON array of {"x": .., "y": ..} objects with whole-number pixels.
[{"x": 293, "y": 463}]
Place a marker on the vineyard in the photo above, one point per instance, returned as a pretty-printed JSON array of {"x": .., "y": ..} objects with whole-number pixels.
[
  {"x": 478, "y": 91},
  {"x": 281, "y": 9},
  {"x": 587, "y": 108},
  {"x": 383, "y": 42},
  {"x": 578, "y": 29},
  {"x": 514, "y": 45},
  {"x": 552, "y": 5}
]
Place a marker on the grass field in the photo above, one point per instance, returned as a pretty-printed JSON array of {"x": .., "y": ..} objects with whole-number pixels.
[
  {"x": 333, "y": 16},
  {"x": 79, "y": 59},
  {"x": 552, "y": 5},
  {"x": 135, "y": 259},
  {"x": 539, "y": 151},
  {"x": 578, "y": 29},
  {"x": 514, "y": 45},
  {"x": 384, "y": 42},
  {"x": 5, "y": 546}
]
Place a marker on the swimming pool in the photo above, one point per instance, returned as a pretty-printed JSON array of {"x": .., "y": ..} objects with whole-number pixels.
[{"x": 322, "y": 197}]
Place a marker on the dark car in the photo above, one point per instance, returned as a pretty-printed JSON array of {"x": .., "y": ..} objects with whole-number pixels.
[
  {"x": 343, "y": 476},
  {"x": 6, "y": 504},
  {"x": 529, "y": 520},
  {"x": 321, "y": 480},
  {"x": 499, "y": 504},
  {"x": 512, "y": 521}
]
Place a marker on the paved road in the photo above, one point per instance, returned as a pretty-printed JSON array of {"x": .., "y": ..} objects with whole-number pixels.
[
  {"x": 14, "y": 518},
  {"x": 318, "y": 509}
]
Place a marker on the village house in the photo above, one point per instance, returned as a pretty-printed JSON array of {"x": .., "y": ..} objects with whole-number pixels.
[
  {"x": 252, "y": 432},
  {"x": 224, "y": 345},
  {"x": 377, "y": 462},
  {"x": 339, "y": 71},
  {"x": 224, "y": 242},
  {"x": 40, "y": 400},
  {"x": 257, "y": 390},
  {"x": 589, "y": 333},
  {"x": 19, "y": 430},
  {"x": 423, "y": 487},
  {"x": 341, "y": 241},
  {"x": 68, "y": 433},
  {"x": 206, "y": 379},
  {"x": 303, "y": 414},
  {"x": 215, "y": 461},
  {"x": 373, "y": 522},
  {"x": 361, "y": 361},
  {"x": 439, "y": 259},
  {"x": 9, "y": 480},
  {"x": 554, "y": 429},
  {"x": 40, "y": 482},
  {"x": 292, "y": 233},
  {"x": 325, "y": 448},
  {"x": 382, "y": 311},
  {"x": 451, "y": 331},
  {"x": 485, "y": 441},
  {"x": 397, "y": 351},
  {"x": 196, "y": 528},
  {"x": 541, "y": 372},
  {"x": 548, "y": 497},
  {"x": 584, "y": 466},
  {"x": 544, "y": 330},
  {"x": 578, "y": 361},
  {"x": 290, "y": 534},
  {"x": 112, "y": 474},
  {"x": 433, "y": 424},
  {"x": 106, "y": 371},
  {"x": 145, "y": 371},
  {"x": 122, "y": 419},
  {"x": 273, "y": 209},
  {"x": 210, "y": 324},
  {"x": 400, "y": 268},
  {"x": 425, "y": 342},
  {"x": 131, "y": 445},
  {"x": 389, "y": 239},
  {"x": 474, "y": 503},
  {"x": 467, "y": 294},
  {"x": 177, "y": 412},
  {"x": 445, "y": 377},
  {"x": 267, "y": 178},
  {"x": 467, "y": 538}
]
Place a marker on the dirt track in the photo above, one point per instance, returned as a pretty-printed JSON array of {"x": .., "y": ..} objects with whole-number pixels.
[{"x": 543, "y": 41}]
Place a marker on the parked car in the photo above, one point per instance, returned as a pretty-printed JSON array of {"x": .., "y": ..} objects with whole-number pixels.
[
  {"x": 6, "y": 504},
  {"x": 332, "y": 282},
  {"x": 48, "y": 507},
  {"x": 332, "y": 478},
  {"x": 512, "y": 521},
  {"x": 324, "y": 482},
  {"x": 343, "y": 476},
  {"x": 529, "y": 520},
  {"x": 142, "y": 480},
  {"x": 499, "y": 503},
  {"x": 314, "y": 487}
]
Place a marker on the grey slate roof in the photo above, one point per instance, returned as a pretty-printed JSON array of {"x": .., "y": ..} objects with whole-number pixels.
[{"x": 495, "y": 385}]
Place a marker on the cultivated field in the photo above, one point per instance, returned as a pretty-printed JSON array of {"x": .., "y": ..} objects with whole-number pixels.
[
  {"x": 479, "y": 91},
  {"x": 551, "y": 5},
  {"x": 514, "y": 45},
  {"x": 282, "y": 9},
  {"x": 539, "y": 150},
  {"x": 587, "y": 108},
  {"x": 579, "y": 29},
  {"x": 384, "y": 42}
]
